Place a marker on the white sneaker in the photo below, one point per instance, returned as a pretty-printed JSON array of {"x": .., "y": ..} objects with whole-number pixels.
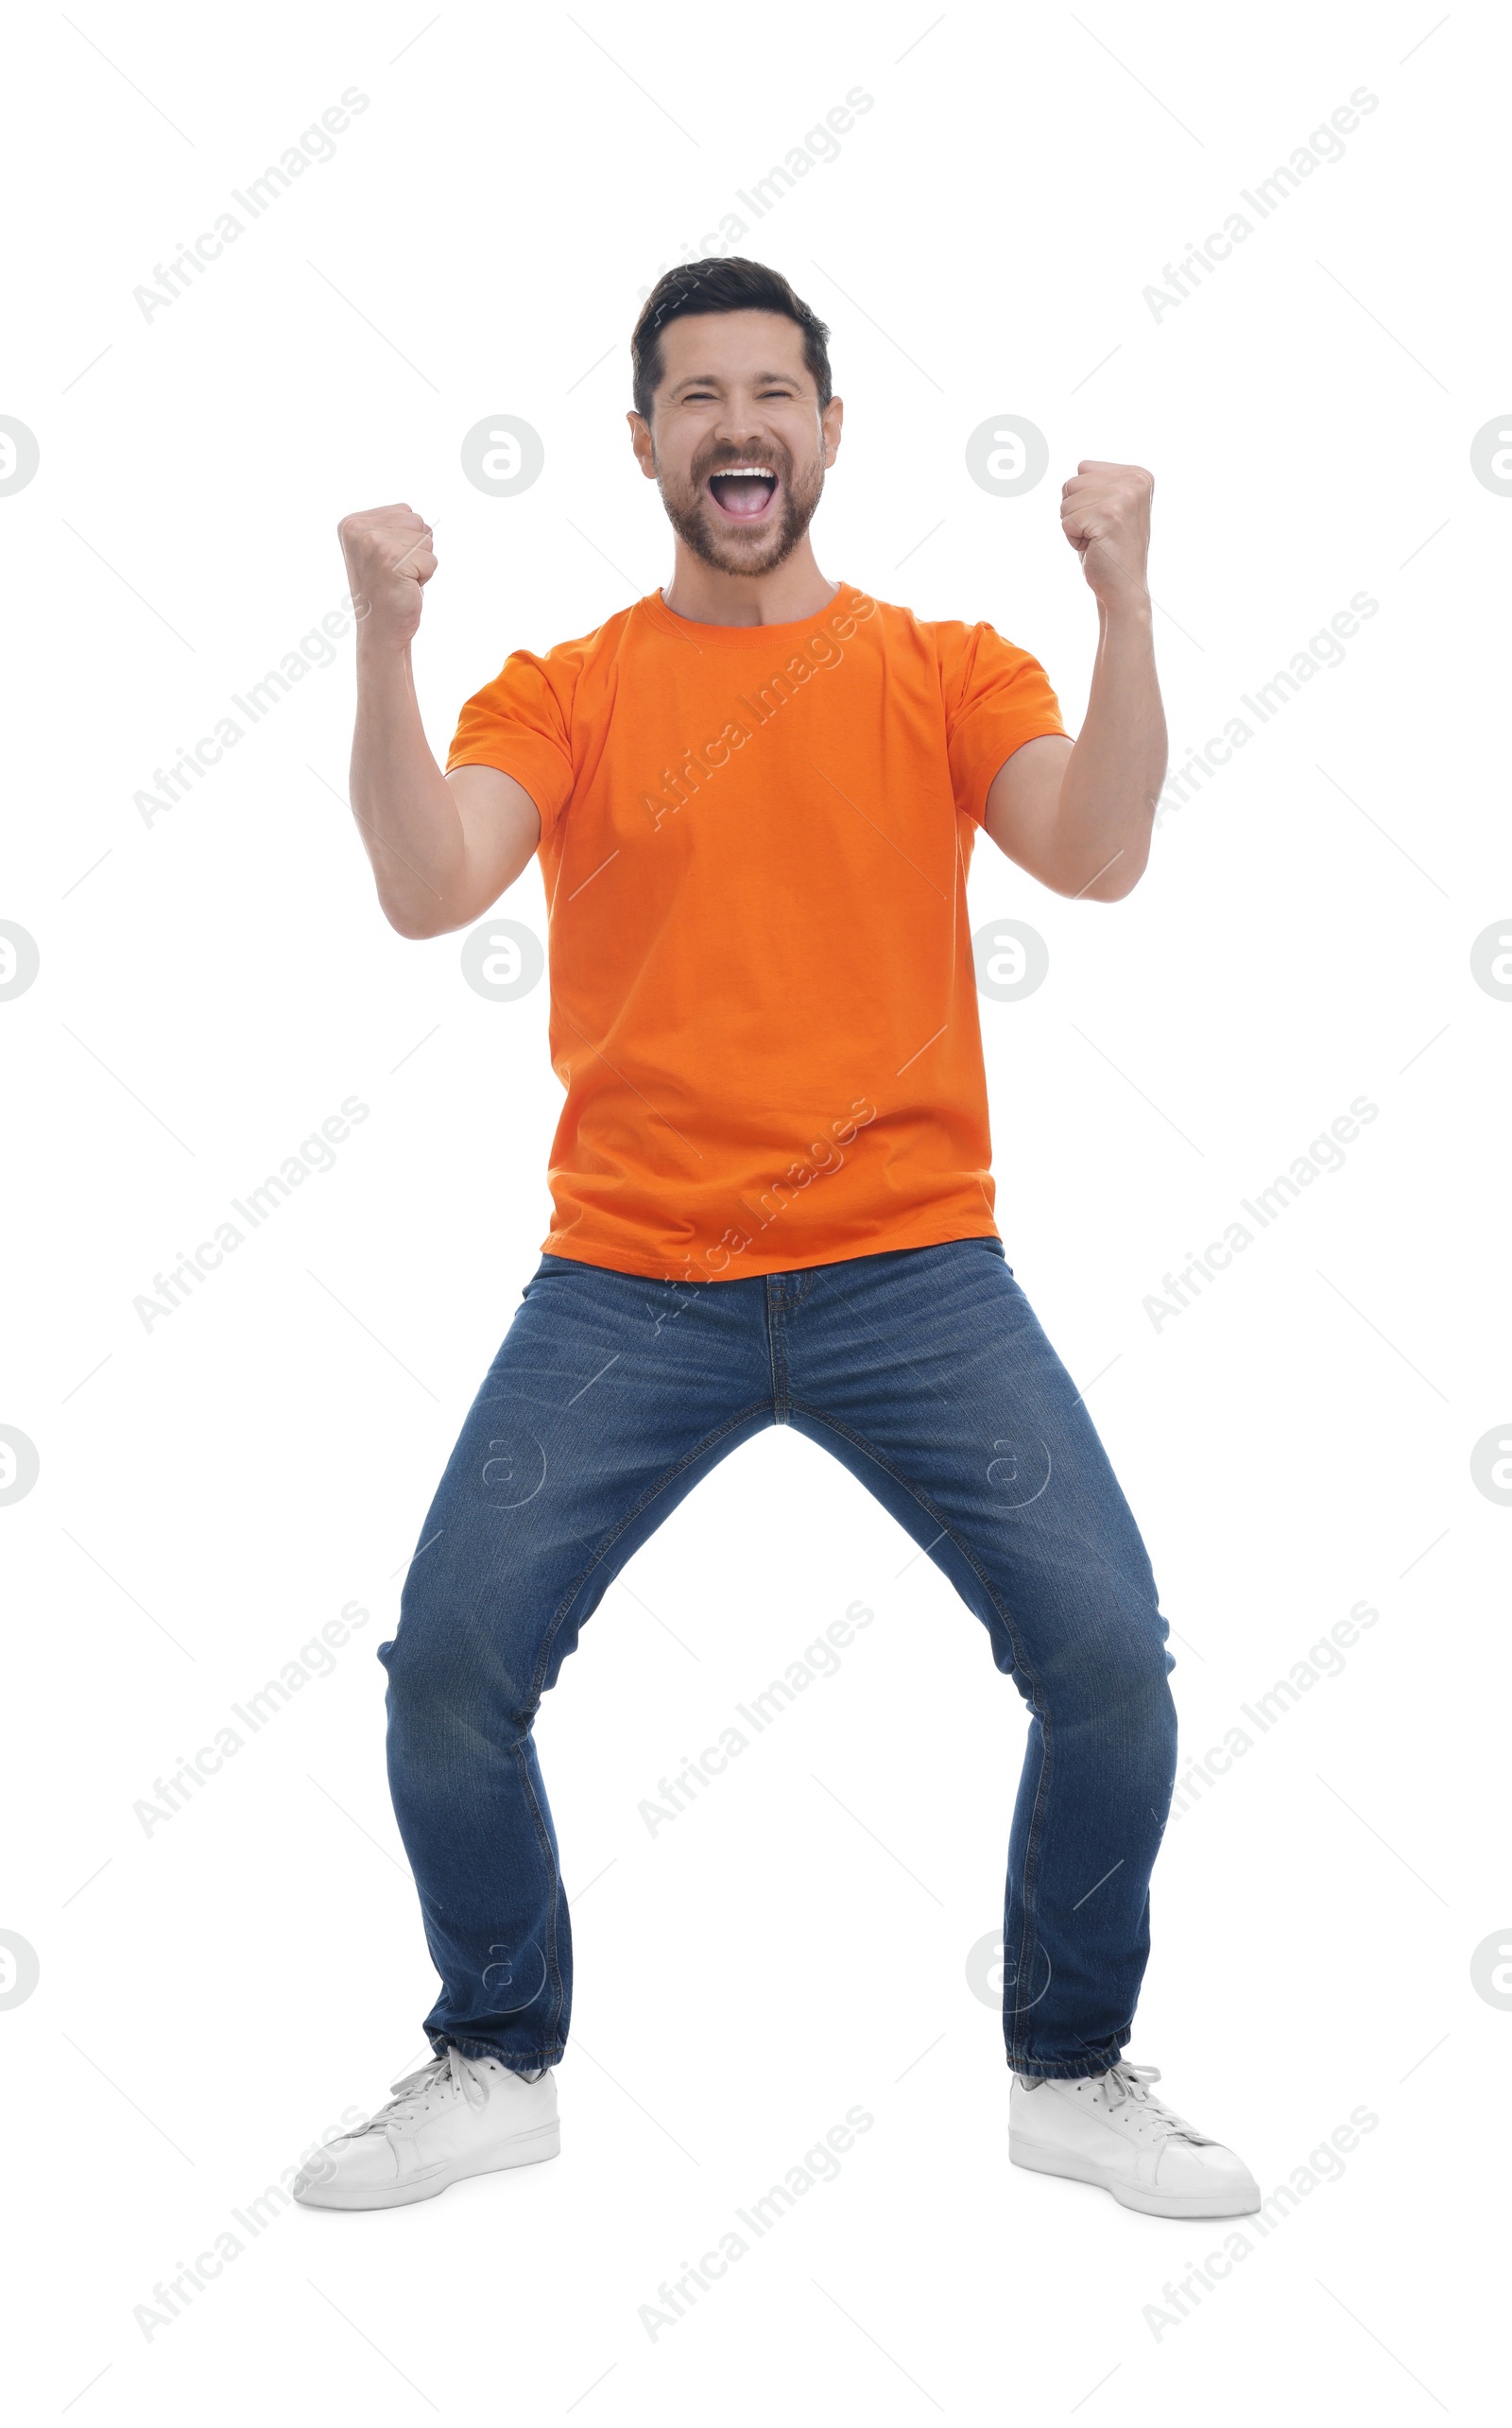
[
  {"x": 455, "y": 2116},
  {"x": 1108, "y": 2128}
]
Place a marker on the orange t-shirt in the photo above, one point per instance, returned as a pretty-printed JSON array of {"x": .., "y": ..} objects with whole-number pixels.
[{"x": 754, "y": 840}]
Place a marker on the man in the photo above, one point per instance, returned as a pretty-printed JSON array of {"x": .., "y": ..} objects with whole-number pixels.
[{"x": 754, "y": 796}]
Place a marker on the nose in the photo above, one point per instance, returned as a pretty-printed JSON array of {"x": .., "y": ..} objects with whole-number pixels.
[
  {"x": 740, "y": 439},
  {"x": 741, "y": 417}
]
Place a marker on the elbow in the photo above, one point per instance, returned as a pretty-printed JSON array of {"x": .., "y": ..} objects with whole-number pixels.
[
  {"x": 415, "y": 924},
  {"x": 1119, "y": 883},
  {"x": 1116, "y": 881}
]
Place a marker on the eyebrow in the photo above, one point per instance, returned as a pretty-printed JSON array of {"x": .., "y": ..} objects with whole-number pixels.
[{"x": 710, "y": 379}]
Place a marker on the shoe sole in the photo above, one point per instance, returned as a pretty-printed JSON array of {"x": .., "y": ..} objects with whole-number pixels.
[
  {"x": 1131, "y": 2195},
  {"x": 524, "y": 2150}
]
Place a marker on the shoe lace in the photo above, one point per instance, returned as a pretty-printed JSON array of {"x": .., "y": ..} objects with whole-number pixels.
[
  {"x": 1132, "y": 2082},
  {"x": 413, "y": 2091}
]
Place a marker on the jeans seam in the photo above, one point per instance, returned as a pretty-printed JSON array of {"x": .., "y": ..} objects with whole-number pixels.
[
  {"x": 1063, "y": 2074},
  {"x": 564, "y": 1608},
  {"x": 554, "y": 1875},
  {"x": 514, "y": 2058},
  {"x": 801, "y": 1407},
  {"x": 1042, "y": 1791},
  {"x": 777, "y": 1352},
  {"x": 543, "y": 1664}
]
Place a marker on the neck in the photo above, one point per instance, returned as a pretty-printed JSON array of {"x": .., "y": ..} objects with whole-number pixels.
[{"x": 791, "y": 592}]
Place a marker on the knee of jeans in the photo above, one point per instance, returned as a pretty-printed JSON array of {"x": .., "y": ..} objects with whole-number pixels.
[
  {"x": 1120, "y": 1664},
  {"x": 441, "y": 1679}
]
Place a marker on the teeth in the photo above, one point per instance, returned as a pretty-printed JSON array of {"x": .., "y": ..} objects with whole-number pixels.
[{"x": 744, "y": 472}]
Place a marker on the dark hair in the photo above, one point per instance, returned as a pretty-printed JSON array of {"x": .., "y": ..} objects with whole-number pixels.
[{"x": 725, "y": 283}]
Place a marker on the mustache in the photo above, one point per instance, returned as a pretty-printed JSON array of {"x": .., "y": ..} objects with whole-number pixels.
[{"x": 776, "y": 457}]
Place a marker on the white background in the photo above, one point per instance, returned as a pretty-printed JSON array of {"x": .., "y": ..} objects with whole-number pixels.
[{"x": 213, "y": 1490}]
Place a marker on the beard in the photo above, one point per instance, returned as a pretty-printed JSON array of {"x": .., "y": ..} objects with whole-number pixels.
[{"x": 696, "y": 521}]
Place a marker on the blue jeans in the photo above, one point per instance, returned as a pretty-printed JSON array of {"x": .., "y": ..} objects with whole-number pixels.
[{"x": 925, "y": 1372}]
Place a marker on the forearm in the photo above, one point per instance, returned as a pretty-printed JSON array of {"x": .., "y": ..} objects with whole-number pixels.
[
  {"x": 408, "y": 819},
  {"x": 1112, "y": 779}
]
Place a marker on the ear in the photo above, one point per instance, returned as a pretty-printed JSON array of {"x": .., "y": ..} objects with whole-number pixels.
[
  {"x": 641, "y": 443},
  {"x": 829, "y": 421}
]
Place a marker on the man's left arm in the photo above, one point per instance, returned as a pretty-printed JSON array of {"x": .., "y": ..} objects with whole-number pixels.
[{"x": 1078, "y": 814}]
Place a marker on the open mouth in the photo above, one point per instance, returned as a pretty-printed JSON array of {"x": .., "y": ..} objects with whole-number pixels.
[{"x": 745, "y": 493}]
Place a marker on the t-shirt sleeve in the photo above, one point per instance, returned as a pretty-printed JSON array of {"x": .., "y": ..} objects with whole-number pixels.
[
  {"x": 996, "y": 698},
  {"x": 520, "y": 722}
]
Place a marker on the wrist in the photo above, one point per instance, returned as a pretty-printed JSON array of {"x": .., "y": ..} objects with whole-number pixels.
[
  {"x": 1130, "y": 605},
  {"x": 380, "y": 649}
]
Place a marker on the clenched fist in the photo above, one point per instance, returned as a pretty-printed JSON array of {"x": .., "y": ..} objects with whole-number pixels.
[
  {"x": 1105, "y": 513},
  {"x": 390, "y": 559}
]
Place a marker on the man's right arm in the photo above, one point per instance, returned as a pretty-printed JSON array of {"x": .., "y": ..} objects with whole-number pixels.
[{"x": 443, "y": 848}]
